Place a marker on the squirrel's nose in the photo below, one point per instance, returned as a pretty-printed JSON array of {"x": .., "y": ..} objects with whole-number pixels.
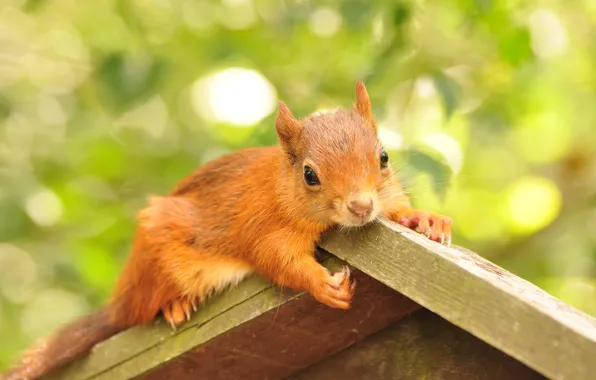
[{"x": 361, "y": 207}]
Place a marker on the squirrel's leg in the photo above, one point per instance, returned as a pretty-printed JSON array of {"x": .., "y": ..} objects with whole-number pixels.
[
  {"x": 435, "y": 227},
  {"x": 179, "y": 310},
  {"x": 197, "y": 274},
  {"x": 167, "y": 272},
  {"x": 143, "y": 286},
  {"x": 399, "y": 209},
  {"x": 291, "y": 263}
]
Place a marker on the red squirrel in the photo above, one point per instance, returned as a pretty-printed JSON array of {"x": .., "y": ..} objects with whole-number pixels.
[{"x": 259, "y": 210}]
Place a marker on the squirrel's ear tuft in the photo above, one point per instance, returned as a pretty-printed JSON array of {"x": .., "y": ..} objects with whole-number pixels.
[
  {"x": 363, "y": 105},
  {"x": 288, "y": 129}
]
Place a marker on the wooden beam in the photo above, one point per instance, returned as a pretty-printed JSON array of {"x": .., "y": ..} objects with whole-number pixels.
[
  {"x": 260, "y": 331},
  {"x": 503, "y": 310},
  {"x": 255, "y": 331},
  {"x": 420, "y": 346}
]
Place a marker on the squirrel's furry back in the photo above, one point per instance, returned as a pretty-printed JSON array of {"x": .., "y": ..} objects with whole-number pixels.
[{"x": 258, "y": 210}]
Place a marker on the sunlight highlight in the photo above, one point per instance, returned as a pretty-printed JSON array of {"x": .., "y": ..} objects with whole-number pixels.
[
  {"x": 534, "y": 202},
  {"x": 44, "y": 207},
  {"x": 390, "y": 139},
  {"x": 325, "y": 22},
  {"x": 237, "y": 96},
  {"x": 549, "y": 37},
  {"x": 237, "y": 14}
]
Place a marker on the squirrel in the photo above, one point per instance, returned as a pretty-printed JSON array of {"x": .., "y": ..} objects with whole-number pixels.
[{"x": 259, "y": 210}]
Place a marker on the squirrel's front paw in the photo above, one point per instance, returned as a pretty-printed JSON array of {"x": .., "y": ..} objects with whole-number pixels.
[
  {"x": 435, "y": 227},
  {"x": 178, "y": 311},
  {"x": 336, "y": 290}
]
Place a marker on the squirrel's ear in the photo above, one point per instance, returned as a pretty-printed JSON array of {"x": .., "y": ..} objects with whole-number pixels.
[
  {"x": 288, "y": 129},
  {"x": 363, "y": 105}
]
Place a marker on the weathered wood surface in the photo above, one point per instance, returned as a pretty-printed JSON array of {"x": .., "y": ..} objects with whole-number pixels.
[
  {"x": 420, "y": 346},
  {"x": 261, "y": 332},
  {"x": 256, "y": 330},
  {"x": 503, "y": 310}
]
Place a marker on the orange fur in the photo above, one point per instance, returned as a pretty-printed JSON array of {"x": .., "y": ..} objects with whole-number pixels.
[{"x": 252, "y": 211}]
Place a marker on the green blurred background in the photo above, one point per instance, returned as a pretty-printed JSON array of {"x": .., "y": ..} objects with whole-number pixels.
[{"x": 488, "y": 108}]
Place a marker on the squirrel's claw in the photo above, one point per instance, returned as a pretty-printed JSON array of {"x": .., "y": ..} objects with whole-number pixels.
[
  {"x": 167, "y": 315},
  {"x": 179, "y": 311},
  {"x": 435, "y": 227},
  {"x": 186, "y": 307},
  {"x": 337, "y": 290}
]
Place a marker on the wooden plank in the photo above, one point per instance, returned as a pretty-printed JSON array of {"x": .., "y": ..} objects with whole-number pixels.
[
  {"x": 136, "y": 341},
  {"x": 505, "y": 311},
  {"x": 255, "y": 330},
  {"x": 421, "y": 346}
]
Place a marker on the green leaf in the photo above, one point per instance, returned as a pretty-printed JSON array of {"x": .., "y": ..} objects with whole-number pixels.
[
  {"x": 424, "y": 159},
  {"x": 124, "y": 80},
  {"x": 515, "y": 47},
  {"x": 448, "y": 90}
]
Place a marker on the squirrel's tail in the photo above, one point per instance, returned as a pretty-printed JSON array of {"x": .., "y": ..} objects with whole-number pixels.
[{"x": 66, "y": 344}]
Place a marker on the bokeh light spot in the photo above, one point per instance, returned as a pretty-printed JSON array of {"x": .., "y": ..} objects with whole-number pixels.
[
  {"x": 549, "y": 37},
  {"x": 19, "y": 282},
  {"x": 534, "y": 202},
  {"x": 390, "y": 139},
  {"x": 324, "y": 22},
  {"x": 50, "y": 111},
  {"x": 425, "y": 87},
  {"x": 44, "y": 207},
  {"x": 60, "y": 62},
  {"x": 236, "y": 95},
  {"x": 198, "y": 15},
  {"x": 238, "y": 14}
]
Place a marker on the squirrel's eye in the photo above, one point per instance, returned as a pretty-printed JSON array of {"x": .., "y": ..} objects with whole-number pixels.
[
  {"x": 310, "y": 177},
  {"x": 384, "y": 159}
]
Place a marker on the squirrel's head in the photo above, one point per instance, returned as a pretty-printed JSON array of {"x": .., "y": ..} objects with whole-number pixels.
[{"x": 339, "y": 168}]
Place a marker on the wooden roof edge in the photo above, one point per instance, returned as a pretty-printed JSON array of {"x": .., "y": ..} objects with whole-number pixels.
[
  {"x": 398, "y": 271},
  {"x": 476, "y": 295},
  {"x": 270, "y": 332}
]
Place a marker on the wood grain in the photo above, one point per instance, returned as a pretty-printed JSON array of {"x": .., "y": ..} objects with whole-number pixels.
[
  {"x": 257, "y": 331},
  {"x": 503, "y": 310},
  {"x": 420, "y": 346}
]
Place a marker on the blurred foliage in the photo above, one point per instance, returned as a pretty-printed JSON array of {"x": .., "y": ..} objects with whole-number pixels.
[{"x": 486, "y": 107}]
